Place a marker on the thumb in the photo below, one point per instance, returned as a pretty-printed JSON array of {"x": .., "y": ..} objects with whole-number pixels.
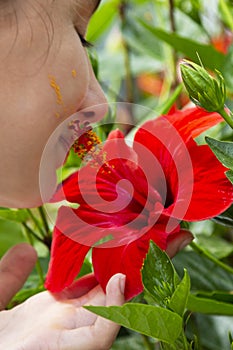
[
  {"x": 115, "y": 290},
  {"x": 15, "y": 267},
  {"x": 107, "y": 330}
]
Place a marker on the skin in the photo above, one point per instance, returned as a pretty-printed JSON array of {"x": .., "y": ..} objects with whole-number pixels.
[
  {"x": 39, "y": 49},
  {"x": 39, "y": 46},
  {"x": 46, "y": 77},
  {"x": 66, "y": 324}
]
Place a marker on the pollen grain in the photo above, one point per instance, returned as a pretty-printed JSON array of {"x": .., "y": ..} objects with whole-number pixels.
[
  {"x": 56, "y": 89},
  {"x": 74, "y": 73}
]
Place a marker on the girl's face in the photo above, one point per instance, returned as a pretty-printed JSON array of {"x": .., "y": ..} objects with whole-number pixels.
[{"x": 45, "y": 77}]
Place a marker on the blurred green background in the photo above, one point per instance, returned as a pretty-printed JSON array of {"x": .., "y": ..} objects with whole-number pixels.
[{"x": 137, "y": 47}]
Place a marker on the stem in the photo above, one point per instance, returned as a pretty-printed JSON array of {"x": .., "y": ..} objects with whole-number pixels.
[
  {"x": 44, "y": 218},
  {"x": 185, "y": 342},
  {"x": 128, "y": 72},
  {"x": 36, "y": 222},
  {"x": 174, "y": 54},
  {"x": 28, "y": 233},
  {"x": 181, "y": 343},
  {"x": 228, "y": 118},
  {"x": 172, "y": 17},
  {"x": 32, "y": 233},
  {"x": 126, "y": 51},
  {"x": 209, "y": 256}
]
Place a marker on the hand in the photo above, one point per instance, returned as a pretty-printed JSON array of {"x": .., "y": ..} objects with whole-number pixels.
[{"x": 58, "y": 322}]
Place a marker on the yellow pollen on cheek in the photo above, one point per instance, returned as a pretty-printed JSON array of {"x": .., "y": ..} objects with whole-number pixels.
[
  {"x": 56, "y": 89},
  {"x": 74, "y": 73}
]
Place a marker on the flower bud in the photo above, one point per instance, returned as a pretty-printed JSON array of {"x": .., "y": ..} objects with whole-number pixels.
[{"x": 204, "y": 90}]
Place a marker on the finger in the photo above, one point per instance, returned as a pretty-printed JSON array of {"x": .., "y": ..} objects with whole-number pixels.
[
  {"x": 102, "y": 334},
  {"x": 95, "y": 297},
  {"x": 178, "y": 241},
  {"x": 104, "y": 329},
  {"x": 114, "y": 293},
  {"x": 15, "y": 267},
  {"x": 115, "y": 290}
]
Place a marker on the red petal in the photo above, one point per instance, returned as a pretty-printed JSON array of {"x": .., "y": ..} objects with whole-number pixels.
[
  {"x": 186, "y": 165},
  {"x": 212, "y": 192},
  {"x": 178, "y": 241},
  {"x": 67, "y": 252},
  {"x": 66, "y": 260},
  {"x": 127, "y": 259},
  {"x": 99, "y": 171},
  {"x": 159, "y": 233},
  {"x": 67, "y": 190},
  {"x": 170, "y": 164},
  {"x": 182, "y": 124},
  {"x": 193, "y": 121}
]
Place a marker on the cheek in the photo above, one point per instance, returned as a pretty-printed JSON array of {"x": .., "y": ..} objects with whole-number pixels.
[
  {"x": 32, "y": 106},
  {"x": 19, "y": 180},
  {"x": 67, "y": 86},
  {"x": 64, "y": 80}
]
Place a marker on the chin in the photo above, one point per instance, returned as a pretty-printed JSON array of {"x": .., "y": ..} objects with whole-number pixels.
[
  {"x": 21, "y": 201},
  {"x": 28, "y": 195}
]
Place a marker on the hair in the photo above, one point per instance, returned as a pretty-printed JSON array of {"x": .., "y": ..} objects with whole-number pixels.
[{"x": 9, "y": 12}]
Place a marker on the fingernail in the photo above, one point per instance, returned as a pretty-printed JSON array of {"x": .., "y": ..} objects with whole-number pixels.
[{"x": 122, "y": 284}]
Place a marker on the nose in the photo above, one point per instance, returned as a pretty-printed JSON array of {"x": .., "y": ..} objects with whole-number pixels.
[{"x": 94, "y": 106}]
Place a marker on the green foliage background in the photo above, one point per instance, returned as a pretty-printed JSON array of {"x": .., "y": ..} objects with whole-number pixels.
[{"x": 137, "y": 47}]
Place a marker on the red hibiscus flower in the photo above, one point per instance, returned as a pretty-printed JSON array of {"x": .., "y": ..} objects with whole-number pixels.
[{"x": 129, "y": 195}]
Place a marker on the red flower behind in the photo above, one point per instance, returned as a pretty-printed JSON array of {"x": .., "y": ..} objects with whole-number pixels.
[{"x": 137, "y": 194}]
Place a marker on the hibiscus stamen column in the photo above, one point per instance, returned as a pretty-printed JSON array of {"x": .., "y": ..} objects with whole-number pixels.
[{"x": 87, "y": 146}]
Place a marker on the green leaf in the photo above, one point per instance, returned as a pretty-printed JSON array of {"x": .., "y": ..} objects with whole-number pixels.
[
  {"x": 135, "y": 35},
  {"x": 210, "y": 57},
  {"x": 131, "y": 342},
  {"x": 226, "y": 13},
  {"x": 152, "y": 321},
  {"x": 179, "y": 298},
  {"x": 11, "y": 234},
  {"x": 227, "y": 66},
  {"x": 204, "y": 274},
  {"x": 159, "y": 276},
  {"x": 212, "y": 331},
  {"x": 226, "y": 218},
  {"x": 85, "y": 269},
  {"x": 18, "y": 215},
  {"x": 209, "y": 306},
  {"x": 226, "y": 297},
  {"x": 229, "y": 175},
  {"x": 217, "y": 246},
  {"x": 165, "y": 107},
  {"x": 23, "y": 295},
  {"x": 102, "y": 19},
  {"x": 223, "y": 151},
  {"x": 190, "y": 8}
]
